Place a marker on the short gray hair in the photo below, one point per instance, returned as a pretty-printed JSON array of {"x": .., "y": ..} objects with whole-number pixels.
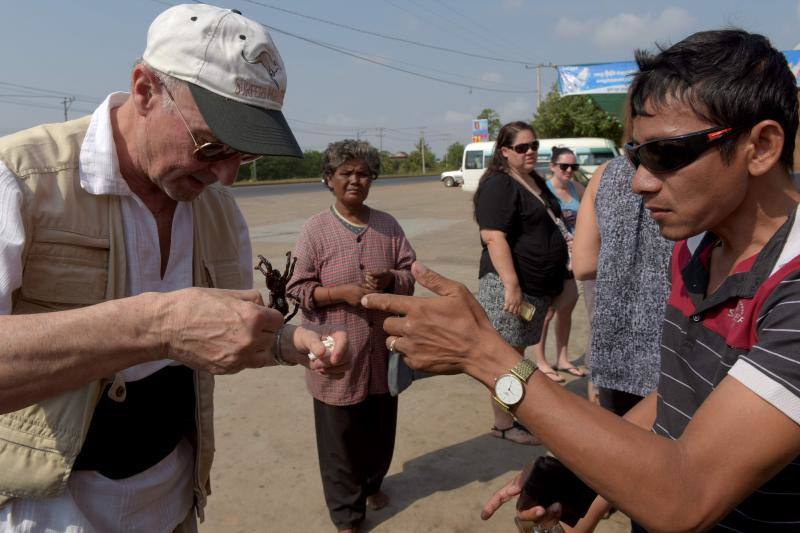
[
  {"x": 340, "y": 152},
  {"x": 172, "y": 83}
]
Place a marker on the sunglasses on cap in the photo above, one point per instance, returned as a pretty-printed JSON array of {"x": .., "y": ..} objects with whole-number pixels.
[
  {"x": 671, "y": 153},
  {"x": 522, "y": 148},
  {"x": 565, "y": 166},
  {"x": 210, "y": 152}
]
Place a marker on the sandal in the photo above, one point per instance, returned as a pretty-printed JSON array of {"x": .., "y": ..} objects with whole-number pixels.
[
  {"x": 572, "y": 370},
  {"x": 520, "y": 427},
  {"x": 553, "y": 375}
]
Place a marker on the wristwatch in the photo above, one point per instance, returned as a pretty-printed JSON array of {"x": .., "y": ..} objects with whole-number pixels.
[{"x": 509, "y": 389}]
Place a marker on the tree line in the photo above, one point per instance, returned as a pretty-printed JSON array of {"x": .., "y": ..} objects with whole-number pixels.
[{"x": 556, "y": 116}]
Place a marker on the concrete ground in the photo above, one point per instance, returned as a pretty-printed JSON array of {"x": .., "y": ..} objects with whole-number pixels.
[{"x": 446, "y": 464}]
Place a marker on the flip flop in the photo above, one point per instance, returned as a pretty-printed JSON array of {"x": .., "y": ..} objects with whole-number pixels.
[
  {"x": 516, "y": 425},
  {"x": 572, "y": 370},
  {"x": 553, "y": 376}
]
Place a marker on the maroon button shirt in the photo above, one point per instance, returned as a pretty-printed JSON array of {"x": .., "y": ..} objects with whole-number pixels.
[{"x": 330, "y": 254}]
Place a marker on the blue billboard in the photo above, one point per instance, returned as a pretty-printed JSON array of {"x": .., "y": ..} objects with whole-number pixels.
[{"x": 600, "y": 78}]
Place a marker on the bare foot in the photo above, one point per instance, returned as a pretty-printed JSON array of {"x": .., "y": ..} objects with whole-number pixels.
[{"x": 379, "y": 500}]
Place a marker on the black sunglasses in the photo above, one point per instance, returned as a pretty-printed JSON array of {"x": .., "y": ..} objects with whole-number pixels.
[
  {"x": 671, "y": 153},
  {"x": 522, "y": 148},
  {"x": 565, "y": 166}
]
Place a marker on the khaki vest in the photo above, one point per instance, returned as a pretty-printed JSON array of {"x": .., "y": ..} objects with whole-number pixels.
[{"x": 74, "y": 256}]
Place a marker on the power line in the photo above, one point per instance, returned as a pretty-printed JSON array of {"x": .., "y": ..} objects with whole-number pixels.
[
  {"x": 338, "y": 49},
  {"x": 81, "y": 97},
  {"x": 458, "y": 25},
  {"x": 29, "y": 96},
  {"x": 429, "y": 69},
  {"x": 386, "y": 36},
  {"x": 362, "y": 55},
  {"x": 40, "y": 106},
  {"x": 495, "y": 35}
]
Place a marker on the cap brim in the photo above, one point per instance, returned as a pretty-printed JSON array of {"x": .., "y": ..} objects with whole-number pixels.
[{"x": 244, "y": 127}]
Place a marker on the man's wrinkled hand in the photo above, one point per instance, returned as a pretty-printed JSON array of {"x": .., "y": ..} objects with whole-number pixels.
[{"x": 219, "y": 331}]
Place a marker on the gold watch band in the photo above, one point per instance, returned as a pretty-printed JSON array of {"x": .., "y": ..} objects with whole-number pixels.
[{"x": 524, "y": 369}]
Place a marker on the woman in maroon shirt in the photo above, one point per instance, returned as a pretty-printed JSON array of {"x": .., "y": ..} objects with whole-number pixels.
[{"x": 343, "y": 253}]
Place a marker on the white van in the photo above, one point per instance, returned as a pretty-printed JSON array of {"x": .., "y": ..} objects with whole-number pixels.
[
  {"x": 473, "y": 164},
  {"x": 589, "y": 151}
]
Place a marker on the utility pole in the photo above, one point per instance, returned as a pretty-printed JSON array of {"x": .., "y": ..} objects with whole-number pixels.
[
  {"x": 253, "y": 175},
  {"x": 538, "y": 68},
  {"x": 538, "y": 85},
  {"x": 67, "y": 103},
  {"x": 380, "y": 135},
  {"x": 422, "y": 147}
]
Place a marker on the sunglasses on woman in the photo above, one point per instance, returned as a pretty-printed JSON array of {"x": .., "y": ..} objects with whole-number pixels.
[
  {"x": 565, "y": 166},
  {"x": 671, "y": 153},
  {"x": 522, "y": 148},
  {"x": 210, "y": 152}
]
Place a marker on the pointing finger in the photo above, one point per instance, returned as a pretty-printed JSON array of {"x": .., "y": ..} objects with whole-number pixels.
[
  {"x": 391, "y": 303},
  {"x": 434, "y": 281}
]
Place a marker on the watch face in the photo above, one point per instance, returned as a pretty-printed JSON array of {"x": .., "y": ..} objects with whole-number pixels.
[{"x": 508, "y": 389}]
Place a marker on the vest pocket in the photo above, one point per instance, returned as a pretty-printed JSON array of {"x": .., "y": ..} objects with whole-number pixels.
[{"x": 66, "y": 273}]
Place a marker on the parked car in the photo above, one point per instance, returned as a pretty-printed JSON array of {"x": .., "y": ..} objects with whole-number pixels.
[{"x": 452, "y": 178}]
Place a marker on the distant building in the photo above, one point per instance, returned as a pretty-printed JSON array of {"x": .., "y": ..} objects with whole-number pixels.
[{"x": 399, "y": 155}]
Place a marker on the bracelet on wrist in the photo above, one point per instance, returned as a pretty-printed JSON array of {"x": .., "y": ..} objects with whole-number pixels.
[{"x": 277, "y": 352}]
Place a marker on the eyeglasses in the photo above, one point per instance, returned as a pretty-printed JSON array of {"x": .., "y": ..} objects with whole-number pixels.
[
  {"x": 210, "y": 152},
  {"x": 671, "y": 153},
  {"x": 565, "y": 166},
  {"x": 522, "y": 148}
]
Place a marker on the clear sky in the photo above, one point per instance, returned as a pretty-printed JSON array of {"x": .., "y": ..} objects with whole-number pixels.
[{"x": 86, "y": 48}]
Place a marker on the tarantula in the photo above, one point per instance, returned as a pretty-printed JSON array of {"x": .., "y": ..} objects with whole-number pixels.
[{"x": 276, "y": 284}]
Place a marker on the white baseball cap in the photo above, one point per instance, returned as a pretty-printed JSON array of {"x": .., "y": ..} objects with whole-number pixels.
[{"x": 234, "y": 72}]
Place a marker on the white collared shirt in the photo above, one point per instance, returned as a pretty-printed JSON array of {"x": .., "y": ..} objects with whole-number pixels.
[{"x": 159, "y": 498}]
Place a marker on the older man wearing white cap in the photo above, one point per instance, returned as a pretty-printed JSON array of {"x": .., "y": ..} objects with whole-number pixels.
[{"x": 124, "y": 269}]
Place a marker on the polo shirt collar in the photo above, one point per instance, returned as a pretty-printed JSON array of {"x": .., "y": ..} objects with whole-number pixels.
[{"x": 737, "y": 285}]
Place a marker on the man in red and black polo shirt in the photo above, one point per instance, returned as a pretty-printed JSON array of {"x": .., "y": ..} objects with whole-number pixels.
[{"x": 717, "y": 445}]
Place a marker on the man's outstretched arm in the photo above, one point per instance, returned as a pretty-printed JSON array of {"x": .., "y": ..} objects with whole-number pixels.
[
  {"x": 735, "y": 442},
  {"x": 219, "y": 331}
]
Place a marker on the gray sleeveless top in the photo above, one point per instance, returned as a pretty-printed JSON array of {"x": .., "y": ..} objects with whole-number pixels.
[{"x": 632, "y": 287}]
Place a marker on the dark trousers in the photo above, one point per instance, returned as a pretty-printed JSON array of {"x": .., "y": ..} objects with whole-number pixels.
[
  {"x": 355, "y": 444},
  {"x": 618, "y": 402}
]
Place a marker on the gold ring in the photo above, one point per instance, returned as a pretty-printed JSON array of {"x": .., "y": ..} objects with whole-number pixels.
[{"x": 391, "y": 344}]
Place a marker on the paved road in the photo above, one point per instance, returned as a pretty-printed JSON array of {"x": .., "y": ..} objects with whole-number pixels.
[
  {"x": 445, "y": 465},
  {"x": 254, "y": 191}
]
